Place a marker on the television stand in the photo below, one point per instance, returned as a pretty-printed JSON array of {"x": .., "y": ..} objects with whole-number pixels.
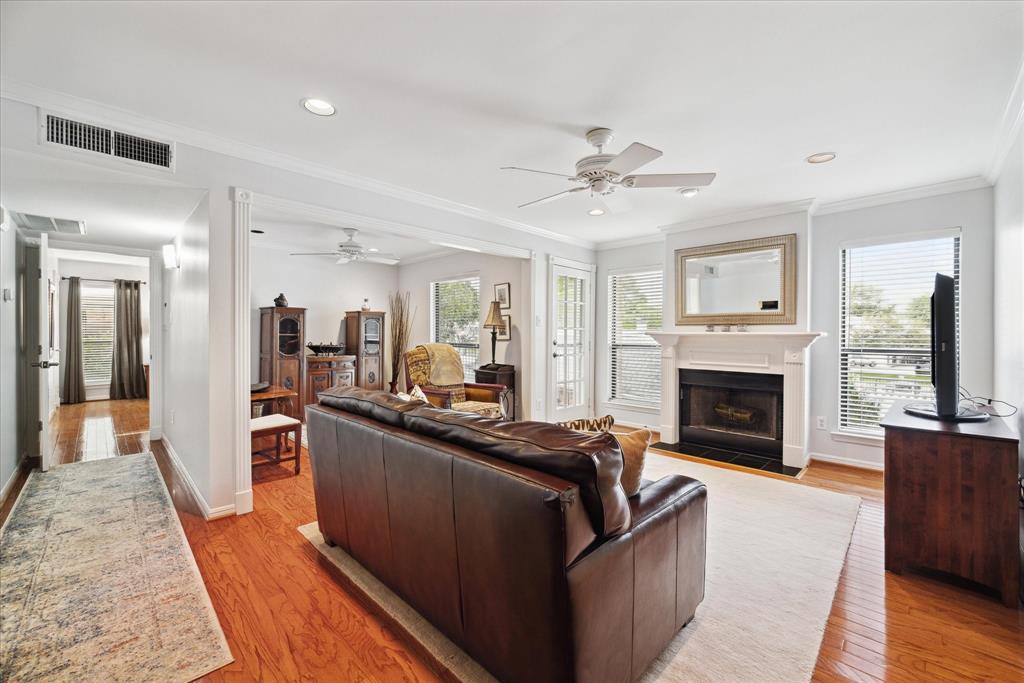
[
  {"x": 951, "y": 499},
  {"x": 928, "y": 410}
]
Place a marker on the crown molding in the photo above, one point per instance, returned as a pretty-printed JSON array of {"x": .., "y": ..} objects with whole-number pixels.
[
  {"x": 909, "y": 194},
  {"x": 122, "y": 118},
  {"x": 801, "y": 206},
  {"x": 630, "y": 242},
  {"x": 1009, "y": 127}
]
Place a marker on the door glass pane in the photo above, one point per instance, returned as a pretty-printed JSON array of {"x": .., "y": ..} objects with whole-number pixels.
[{"x": 570, "y": 337}]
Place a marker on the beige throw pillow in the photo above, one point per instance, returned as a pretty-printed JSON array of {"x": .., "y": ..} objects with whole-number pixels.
[
  {"x": 417, "y": 394},
  {"x": 634, "y": 451}
]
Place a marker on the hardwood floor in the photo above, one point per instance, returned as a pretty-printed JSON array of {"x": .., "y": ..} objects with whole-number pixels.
[
  {"x": 99, "y": 429},
  {"x": 287, "y": 618}
]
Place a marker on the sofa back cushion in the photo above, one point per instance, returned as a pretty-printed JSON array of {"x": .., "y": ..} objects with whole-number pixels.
[
  {"x": 592, "y": 461},
  {"x": 376, "y": 405}
]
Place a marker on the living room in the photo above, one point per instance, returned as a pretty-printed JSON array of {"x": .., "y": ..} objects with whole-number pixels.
[{"x": 723, "y": 259}]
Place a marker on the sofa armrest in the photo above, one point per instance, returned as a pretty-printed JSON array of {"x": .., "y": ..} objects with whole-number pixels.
[{"x": 488, "y": 393}]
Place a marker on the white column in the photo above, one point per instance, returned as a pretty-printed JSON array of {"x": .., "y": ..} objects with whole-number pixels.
[
  {"x": 794, "y": 407},
  {"x": 241, "y": 219},
  {"x": 669, "y": 393}
]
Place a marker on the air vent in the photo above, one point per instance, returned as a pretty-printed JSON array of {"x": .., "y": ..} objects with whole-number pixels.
[
  {"x": 91, "y": 138},
  {"x": 63, "y": 226}
]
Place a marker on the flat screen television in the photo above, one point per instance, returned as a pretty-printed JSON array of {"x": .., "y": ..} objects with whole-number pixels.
[{"x": 944, "y": 368}]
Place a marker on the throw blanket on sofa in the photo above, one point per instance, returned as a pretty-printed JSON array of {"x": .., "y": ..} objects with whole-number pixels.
[{"x": 445, "y": 365}]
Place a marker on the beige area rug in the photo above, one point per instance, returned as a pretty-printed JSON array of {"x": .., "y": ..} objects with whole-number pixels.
[
  {"x": 775, "y": 552},
  {"x": 98, "y": 583}
]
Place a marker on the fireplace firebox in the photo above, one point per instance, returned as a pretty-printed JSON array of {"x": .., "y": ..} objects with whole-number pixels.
[{"x": 734, "y": 411}]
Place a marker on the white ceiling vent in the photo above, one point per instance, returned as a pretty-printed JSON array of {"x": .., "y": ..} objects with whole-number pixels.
[
  {"x": 107, "y": 141},
  {"x": 63, "y": 226}
]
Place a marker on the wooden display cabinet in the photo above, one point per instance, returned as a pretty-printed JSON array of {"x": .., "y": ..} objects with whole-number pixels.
[
  {"x": 324, "y": 372},
  {"x": 282, "y": 349},
  {"x": 364, "y": 337}
]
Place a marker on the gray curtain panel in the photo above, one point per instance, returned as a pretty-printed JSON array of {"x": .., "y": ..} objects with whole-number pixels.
[
  {"x": 73, "y": 389},
  {"x": 127, "y": 377}
]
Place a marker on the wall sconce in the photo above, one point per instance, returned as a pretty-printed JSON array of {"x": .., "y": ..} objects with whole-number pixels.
[{"x": 171, "y": 256}]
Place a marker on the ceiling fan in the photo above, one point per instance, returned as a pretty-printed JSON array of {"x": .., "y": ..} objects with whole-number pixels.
[
  {"x": 350, "y": 251},
  {"x": 603, "y": 173}
]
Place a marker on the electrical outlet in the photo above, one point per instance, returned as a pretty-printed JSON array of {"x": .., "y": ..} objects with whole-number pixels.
[{"x": 820, "y": 419}]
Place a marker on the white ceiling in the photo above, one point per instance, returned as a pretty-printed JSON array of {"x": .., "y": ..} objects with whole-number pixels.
[
  {"x": 436, "y": 96},
  {"x": 287, "y": 232},
  {"x": 121, "y": 209}
]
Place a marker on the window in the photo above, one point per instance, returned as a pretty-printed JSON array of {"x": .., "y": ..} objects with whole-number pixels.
[
  {"x": 634, "y": 306},
  {"x": 455, "y": 317},
  {"x": 885, "y": 335},
  {"x": 97, "y": 301}
]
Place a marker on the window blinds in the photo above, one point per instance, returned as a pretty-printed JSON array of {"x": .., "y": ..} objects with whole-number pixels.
[
  {"x": 97, "y": 302},
  {"x": 634, "y": 307},
  {"x": 885, "y": 309},
  {"x": 455, "y": 317}
]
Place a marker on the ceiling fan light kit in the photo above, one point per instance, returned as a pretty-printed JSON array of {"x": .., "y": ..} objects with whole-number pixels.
[{"x": 603, "y": 173}]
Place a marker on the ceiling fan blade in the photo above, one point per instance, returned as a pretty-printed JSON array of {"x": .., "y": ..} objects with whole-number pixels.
[
  {"x": 545, "y": 200},
  {"x": 313, "y": 253},
  {"x": 384, "y": 259},
  {"x": 531, "y": 170},
  {"x": 632, "y": 158},
  {"x": 616, "y": 202},
  {"x": 669, "y": 180}
]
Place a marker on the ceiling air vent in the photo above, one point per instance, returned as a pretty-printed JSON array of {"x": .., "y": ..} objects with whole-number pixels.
[
  {"x": 115, "y": 143},
  {"x": 63, "y": 226}
]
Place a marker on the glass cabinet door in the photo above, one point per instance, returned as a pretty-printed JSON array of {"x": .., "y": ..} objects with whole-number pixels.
[{"x": 288, "y": 337}]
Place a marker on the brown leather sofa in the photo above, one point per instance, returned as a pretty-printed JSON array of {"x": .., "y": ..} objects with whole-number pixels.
[{"x": 514, "y": 539}]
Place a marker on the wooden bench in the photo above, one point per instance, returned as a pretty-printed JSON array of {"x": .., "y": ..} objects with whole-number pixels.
[{"x": 276, "y": 426}]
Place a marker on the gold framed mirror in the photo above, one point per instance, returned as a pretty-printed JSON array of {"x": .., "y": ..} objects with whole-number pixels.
[{"x": 750, "y": 282}]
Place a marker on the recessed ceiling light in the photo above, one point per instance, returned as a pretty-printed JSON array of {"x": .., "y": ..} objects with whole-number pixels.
[
  {"x": 256, "y": 231},
  {"x": 821, "y": 158},
  {"x": 596, "y": 212},
  {"x": 318, "y": 107},
  {"x": 689, "y": 192}
]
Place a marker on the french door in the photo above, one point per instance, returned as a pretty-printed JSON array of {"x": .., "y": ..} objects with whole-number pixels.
[{"x": 570, "y": 358}]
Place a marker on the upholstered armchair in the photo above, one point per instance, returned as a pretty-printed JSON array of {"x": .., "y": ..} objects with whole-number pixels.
[{"x": 437, "y": 369}]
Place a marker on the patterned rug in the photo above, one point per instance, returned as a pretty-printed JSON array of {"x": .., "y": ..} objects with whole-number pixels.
[{"x": 98, "y": 583}]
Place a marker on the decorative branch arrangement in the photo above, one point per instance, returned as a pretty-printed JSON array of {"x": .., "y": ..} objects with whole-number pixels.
[{"x": 401, "y": 325}]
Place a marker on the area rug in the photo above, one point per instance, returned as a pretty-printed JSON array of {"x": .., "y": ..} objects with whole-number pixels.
[
  {"x": 775, "y": 552},
  {"x": 98, "y": 583}
]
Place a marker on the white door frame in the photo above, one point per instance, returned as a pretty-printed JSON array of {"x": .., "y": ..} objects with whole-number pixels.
[
  {"x": 590, "y": 268},
  {"x": 42, "y": 354}
]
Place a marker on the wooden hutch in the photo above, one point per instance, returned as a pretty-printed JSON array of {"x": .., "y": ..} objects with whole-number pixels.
[
  {"x": 282, "y": 351},
  {"x": 364, "y": 337}
]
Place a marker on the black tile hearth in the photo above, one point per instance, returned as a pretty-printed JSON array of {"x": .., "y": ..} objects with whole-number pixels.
[{"x": 754, "y": 462}]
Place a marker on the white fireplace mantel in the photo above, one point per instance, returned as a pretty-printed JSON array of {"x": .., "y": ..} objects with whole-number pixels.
[{"x": 777, "y": 353}]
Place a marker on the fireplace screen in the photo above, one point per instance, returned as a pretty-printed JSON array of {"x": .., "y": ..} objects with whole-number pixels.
[{"x": 737, "y": 411}]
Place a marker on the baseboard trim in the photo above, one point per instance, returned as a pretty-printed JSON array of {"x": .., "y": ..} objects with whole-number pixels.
[
  {"x": 204, "y": 507},
  {"x": 849, "y": 462},
  {"x": 9, "y": 484}
]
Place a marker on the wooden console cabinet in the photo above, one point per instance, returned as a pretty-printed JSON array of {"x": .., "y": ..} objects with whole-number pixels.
[
  {"x": 282, "y": 348},
  {"x": 324, "y": 372},
  {"x": 951, "y": 499},
  {"x": 364, "y": 337}
]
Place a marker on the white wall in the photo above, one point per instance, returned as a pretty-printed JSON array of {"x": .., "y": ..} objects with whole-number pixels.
[
  {"x": 9, "y": 408},
  {"x": 650, "y": 255},
  {"x": 416, "y": 278},
  {"x": 972, "y": 212},
  {"x": 68, "y": 267},
  {"x": 1009, "y": 284},
  {"x": 186, "y": 420},
  {"x": 324, "y": 289}
]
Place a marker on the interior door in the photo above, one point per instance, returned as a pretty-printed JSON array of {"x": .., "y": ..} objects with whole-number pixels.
[
  {"x": 570, "y": 364},
  {"x": 43, "y": 361}
]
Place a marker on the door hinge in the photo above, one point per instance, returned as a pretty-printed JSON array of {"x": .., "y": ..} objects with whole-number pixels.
[{"x": 40, "y": 425}]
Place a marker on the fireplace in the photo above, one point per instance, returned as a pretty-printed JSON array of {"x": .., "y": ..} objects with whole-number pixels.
[{"x": 733, "y": 411}]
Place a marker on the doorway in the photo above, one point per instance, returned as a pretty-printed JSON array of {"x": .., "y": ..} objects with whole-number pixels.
[{"x": 570, "y": 363}]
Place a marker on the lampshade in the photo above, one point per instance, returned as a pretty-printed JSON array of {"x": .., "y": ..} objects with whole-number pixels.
[{"x": 494, "y": 316}]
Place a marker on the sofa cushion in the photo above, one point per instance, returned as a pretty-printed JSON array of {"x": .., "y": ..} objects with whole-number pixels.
[
  {"x": 592, "y": 461},
  {"x": 377, "y": 405}
]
